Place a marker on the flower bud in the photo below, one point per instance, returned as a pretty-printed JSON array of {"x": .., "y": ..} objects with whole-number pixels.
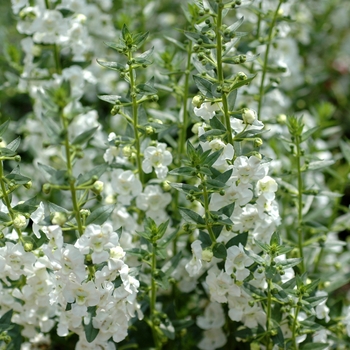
[
  {"x": 258, "y": 142},
  {"x": 249, "y": 116},
  {"x": 207, "y": 254},
  {"x": 46, "y": 188},
  {"x": 28, "y": 185},
  {"x": 59, "y": 218},
  {"x": 97, "y": 187},
  {"x": 19, "y": 222},
  {"x": 85, "y": 212},
  {"x": 197, "y": 101}
]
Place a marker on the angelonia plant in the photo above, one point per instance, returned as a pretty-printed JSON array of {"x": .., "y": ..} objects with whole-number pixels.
[{"x": 162, "y": 192}]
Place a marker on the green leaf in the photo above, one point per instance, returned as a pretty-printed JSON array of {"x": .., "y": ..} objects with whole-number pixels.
[
  {"x": 112, "y": 65},
  {"x": 212, "y": 158},
  {"x": 240, "y": 238},
  {"x": 4, "y": 217},
  {"x": 4, "y": 126},
  {"x": 176, "y": 42},
  {"x": 29, "y": 206},
  {"x": 18, "y": 178},
  {"x": 184, "y": 171},
  {"x": 190, "y": 216},
  {"x": 100, "y": 215},
  {"x": 308, "y": 133},
  {"x": 14, "y": 144},
  {"x": 345, "y": 148},
  {"x": 228, "y": 210},
  {"x": 7, "y": 152},
  {"x": 219, "y": 251},
  {"x": 137, "y": 252},
  {"x": 47, "y": 169},
  {"x": 276, "y": 239},
  {"x": 96, "y": 171},
  {"x": 215, "y": 123},
  {"x": 319, "y": 164},
  {"x": 288, "y": 263},
  {"x": 125, "y": 33},
  {"x": 233, "y": 27},
  {"x": 84, "y": 136},
  {"x": 204, "y": 86},
  {"x": 5, "y": 321},
  {"x": 91, "y": 332},
  {"x": 211, "y": 133},
  {"x": 109, "y": 98},
  {"x": 59, "y": 177},
  {"x": 146, "y": 89},
  {"x": 231, "y": 100},
  {"x": 314, "y": 301},
  {"x": 144, "y": 57},
  {"x": 311, "y": 286},
  {"x": 184, "y": 188},
  {"x": 174, "y": 262},
  {"x": 242, "y": 82},
  {"x": 139, "y": 39}
]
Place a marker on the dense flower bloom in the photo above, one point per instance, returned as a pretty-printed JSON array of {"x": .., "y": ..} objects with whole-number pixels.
[
  {"x": 206, "y": 110},
  {"x": 157, "y": 157}
]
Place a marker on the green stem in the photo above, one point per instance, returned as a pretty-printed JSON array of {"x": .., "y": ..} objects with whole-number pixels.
[
  {"x": 207, "y": 213},
  {"x": 300, "y": 202},
  {"x": 220, "y": 72},
  {"x": 183, "y": 131},
  {"x": 268, "y": 314},
  {"x": 153, "y": 297},
  {"x": 295, "y": 322},
  {"x": 268, "y": 45},
  {"x": 135, "y": 120},
  {"x": 76, "y": 209},
  {"x": 7, "y": 200}
]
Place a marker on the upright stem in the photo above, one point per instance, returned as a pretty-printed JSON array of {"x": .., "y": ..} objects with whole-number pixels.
[
  {"x": 207, "y": 213},
  {"x": 268, "y": 313},
  {"x": 76, "y": 209},
  {"x": 294, "y": 328},
  {"x": 7, "y": 200},
  {"x": 153, "y": 297},
  {"x": 220, "y": 71},
  {"x": 183, "y": 130},
  {"x": 268, "y": 45},
  {"x": 135, "y": 120},
  {"x": 300, "y": 202}
]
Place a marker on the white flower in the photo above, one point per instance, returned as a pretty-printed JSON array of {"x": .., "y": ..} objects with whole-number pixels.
[
  {"x": 236, "y": 262},
  {"x": 212, "y": 339},
  {"x": 206, "y": 110},
  {"x": 220, "y": 285},
  {"x": 322, "y": 310},
  {"x": 214, "y": 317},
  {"x": 239, "y": 125},
  {"x": 194, "y": 265},
  {"x": 37, "y": 216},
  {"x": 18, "y": 4},
  {"x": 267, "y": 187},
  {"x": 240, "y": 194},
  {"x": 126, "y": 185},
  {"x": 99, "y": 239},
  {"x": 248, "y": 169},
  {"x": 249, "y": 116},
  {"x": 253, "y": 315},
  {"x": 158, "y": 158},
  {"x": 154, "y": 201},
  {"x": 49, "y": 27},
  {"x": 85, "y": 294}
]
